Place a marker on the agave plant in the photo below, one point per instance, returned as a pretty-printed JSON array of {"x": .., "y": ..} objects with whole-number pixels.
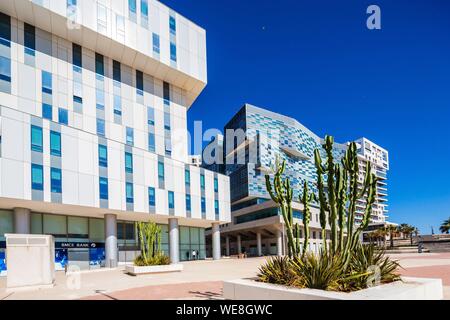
[{"x": 278, "y": 270}]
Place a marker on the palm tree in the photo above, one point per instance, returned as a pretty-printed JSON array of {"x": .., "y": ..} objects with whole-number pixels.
[
  {"x": 404, "y": 228},
  {"x": 445, "y": 226},
  {"x": 415, "y": 231},
  {"x": 393, "y": 230}
]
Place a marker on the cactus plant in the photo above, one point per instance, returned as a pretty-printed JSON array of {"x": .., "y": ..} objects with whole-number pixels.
[{"x": 149, "y": 234}]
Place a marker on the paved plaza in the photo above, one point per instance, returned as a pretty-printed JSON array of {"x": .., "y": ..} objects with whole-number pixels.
[{"x": 199, "y": 280}]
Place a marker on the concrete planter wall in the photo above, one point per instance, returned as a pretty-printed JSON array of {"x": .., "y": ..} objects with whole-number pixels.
[
  {"x": 409, "y": 289},
  {"x": 135, "y": 271}
]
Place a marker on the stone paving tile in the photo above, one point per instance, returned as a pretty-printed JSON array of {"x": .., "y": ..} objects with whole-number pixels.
[{"x": 442, "y": 272}]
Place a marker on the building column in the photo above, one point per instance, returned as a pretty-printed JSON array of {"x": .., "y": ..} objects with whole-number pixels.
[
  {"x": 174, "y": 240},
  {"x": 279, "y": 243},
  {"x": 216, "y": 241},
  {"x": 258, "y": 243},
  {"x": 239, "y": 244},
  {"x": 227, "y": 246},
  {"x": 22, "y": 221},
  {"x": 111, "y": 251}
]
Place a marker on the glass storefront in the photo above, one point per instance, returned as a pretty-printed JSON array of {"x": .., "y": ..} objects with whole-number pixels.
[
  {"x": 6, "y": 226},
  {"x": 192, "y": 243}
]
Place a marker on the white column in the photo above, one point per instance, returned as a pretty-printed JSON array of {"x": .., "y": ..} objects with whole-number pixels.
[
  {"x": 22, "y": 221},
  {"x": 279, "y": 243},
  {"x": 258, "y": 243},
  {"x": 111, "y": 251},
  {"x": 216, "y": 241},
  {"x": 228, "y": 245},
  {"x": 239, "y": 244},
  {"x": 174, "y": 240}
]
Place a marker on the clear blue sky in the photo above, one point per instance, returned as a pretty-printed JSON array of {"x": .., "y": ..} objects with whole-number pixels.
[{"x": 316, "y": 61}]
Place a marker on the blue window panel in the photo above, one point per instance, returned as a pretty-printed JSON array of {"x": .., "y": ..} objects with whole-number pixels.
[
  {"x": 130, "y": 136},
  {"x": 151, "y": 197},
  {"x": 77, "y": 56},
  {"x": 29, "y": 39},
  {"x": 144, "y": 7},
  {"x": 216, "y": 185},
  {"x": 172, "y": 25},
  {"x": 167, "y": 121},
  {"x": 129, "y": 192},
  {"x": 55, "y": 181},
  {"x": 46, "y": 82},
  {"x": 77, "y": 99},
  {"x": 102, "y": 156},
  {"x": 101, "y": 127},
  {"x": 37, "y": 177},
  {"x": 55, "y": 143},
  {"x": 36, "y": 139},
  {"x": 151, "y": 116},
  {"x": 128, "y": 162},
  {"x": 173, "y": 52},
  {"x": 103, "y": 185},
  {"x": 132, "y": 6},
  {"x": 151, "y": 142},
  {"x": 5, "y": 29},
  {"x": 139, "y": 83},
  {"x": 202, "y": 181},
  {"x": 63, "y": 116},
  {"x": 116, "y": 71},
  {"x": 203, "y": 202},
  {"x": 171, "y": 200},
  {"x": 5, "y": 69},
  {"x": 216, "y": 206},
  {"x": 187, "y": 177},
  {"x": 188, "y": 202},
  {"x": 161, "y": 170},
  {"x": 156, "y": 43},
  {"x": 100, "y": 99},
  {"x": 99, "y": 64},
  {"x": 71, "y": 3},
  {"x": 166, "y": 94},
  {"x": 47, "y": 111},
  {"x": 117, "y": 105}
]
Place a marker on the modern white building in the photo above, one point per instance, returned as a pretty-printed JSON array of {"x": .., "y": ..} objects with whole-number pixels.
[{"x": 93, "y": 127}]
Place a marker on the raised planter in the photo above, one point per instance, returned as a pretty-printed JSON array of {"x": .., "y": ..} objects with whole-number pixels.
[
  {"x": 135, "y": 271},
  {"x": 408, "y": 289}
]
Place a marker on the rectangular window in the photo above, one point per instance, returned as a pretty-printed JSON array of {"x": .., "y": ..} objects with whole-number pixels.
[
  {"x": 55, "y": 181},
  {"x": 166, "y": 120},
  {"x": 188, "y": 202},
  {"x": 151, "y": 197},
  {"x": 29, "y": 39},
  {"x": 187, "y": 177},
  {"x": 55, "y": 143},
  {"x": 63, "y": 116},
  {"x": 216, "y": 206},
  {"x": 171, "y": 200},
  {"x": 103, "y": 184},
  {"x": 151, "y": 116},
  {"x": 102, "y": 18},
  {"x": 144, "y": 13},
  {"x": 151, "y": 142},
  {"x": 102, "y": 156},
  {"x": 156, "y": 45},
  {"x": 5, "y": 69},
  {"x": 37, "y": 177},
  {"x": 129, "y": 192},
  {"x": 160, "y": 170},
  {"x": 36, "y": 139},
  {"x": 216, "y": 185},
  {"x": 202, "y": 181},
  {"x": 5, "y": 29},
  {"x": 173, "y": 52},
  {"x": 130, "y": 136},
  {"x": 172, "y": 25},
  {"x": 117, "y": 105},
  {"x": 132, "y": 6},
  {"x": 120, "y": 28},
  {"x": 101, "y": 127},
  {"x": 166, "y": 93},
  {"x": 203, "y": 205},
  {"x": 77, "y": 56},
  {"x": 128, "y": 162},
  {"x": 99, "y": 64},
  {"x": 116, "y": 71},
  {"x": 46, "y": 82},
  {"x": 100, "y": 99},
  {"x": 139, "y": 83},
  {"x": 47, "y": 112}
]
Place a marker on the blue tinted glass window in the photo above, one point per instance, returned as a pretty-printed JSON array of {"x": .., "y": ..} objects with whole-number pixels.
[
  {"x": 139, "y": 82},
  {"x": 99, "y": 65},
  {"x": 55, "y": 143},
  {"x": 203, "y": 205},
  {"x": 129, "y": 192},
  {"x": 172, "y": 25},
  {"x": 187, "y": 177},
  {"x": 130, "y": 136},
  {"x": 202, "y": 181},
  {"x": 188, "y": 202},
  {"x": 29, "y": 39},
  {"x": 55, "y": 181},
  {"x": 47, "y": 111},
  {"x": 5, "y": 69},
  {"x": 100, "y": 127},
  {"x": 5, "y": 29},
  {"x": 160, "y": 170},
  {"x": 100, "y": 99},
  {"x": 102, "y": 156},
  {"x": 144, "y": 7},
  {"x": 216, "y": 185},
  {"x": 36, "y": 139},
  {"x": 151, "y": 197},
  {"x": 46, "y": 82},
  {"x": 116, "y": 71},
  {"x": 37, "y": 177},
  {"x": 151, "y": 116},
  {"x": 63, "y": 116},
  {"x": 132, "y": 5},
  {"x": 156, "y": 45},
  {"x": 76, "y": 55},
  {"x": 173, "y": 52},
  {"x": 103, "y": 188},
  {"x": 117, "y": 105},
  {"x": 151, "y": 142},
  {"x": 171, "y": 200},
  {"x": 216, "y": 206},
  {"x": 128, "y": 162}
]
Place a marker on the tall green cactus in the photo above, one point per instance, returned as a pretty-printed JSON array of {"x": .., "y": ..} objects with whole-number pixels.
[
  {"x": 149, "y": 234},
  {"x": 305, "y": 199}
]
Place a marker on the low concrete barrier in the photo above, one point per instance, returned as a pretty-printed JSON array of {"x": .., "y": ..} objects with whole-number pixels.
[{"x": 135, "y": 271}]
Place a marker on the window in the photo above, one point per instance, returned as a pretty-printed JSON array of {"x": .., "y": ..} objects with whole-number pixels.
[
  {"x": 100, "y": 98},
  {"x": 139, "y": 83},
  {"x": 56, "y": 185},
  {"x": 188, "y": 202},
  {"x": 102, "y": 21},
  {"x": 173, "y": 52},
  {"x": 102, "y": 156},
  {"x": 166, "y": 120},
  {"x": 216, "y": 206},
  {"x": 168, "y": 146},
  {"x": 100, "y": 127},
  {"x": 117, "y": 105},
  {"x": 99, "y": 64},
  {"x": 187, "y": 177},
  {"x": 103, "y": 183},
  {"x": 166, "y": 93},
  {"x": 151, "y": 197},
  {"x": 29, "y": 39},
  {"x": 203, "y": 205},
  {"x": 116, "y": 71},
  {"x": 46, "y": 82},
  {"x": 172, "y": 25},
  {"x": 160, "y": 170},
  {"x": 216, "y": 185},
  {"x": 63, "y": 116},
  {"x": 47, "y": 111},
  {"x": 156, "y": 45},
  {"x": 76, "y": 56},
  {"x": 202, "y": 181},
  {"x": 129, "y": 192},
  {"x": 55, "y": 143},
  {"x": 132, "y": 6},
  {"x": 144, "y": 13},
  {"x": 171, "y": 200},
  {"x": 37, "y": 177},
  {"x": 151, "y": 142},
  {"x": 151, "y": 116},
  {"x": 5, "y": 69},
  {"x": 130, "y": 136},
  {"x": 128, "y": 162},
  {"x": 120, "y": 28},
  {"x": 5, "y": 29},
  {"x": 36, "y": 139}
]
